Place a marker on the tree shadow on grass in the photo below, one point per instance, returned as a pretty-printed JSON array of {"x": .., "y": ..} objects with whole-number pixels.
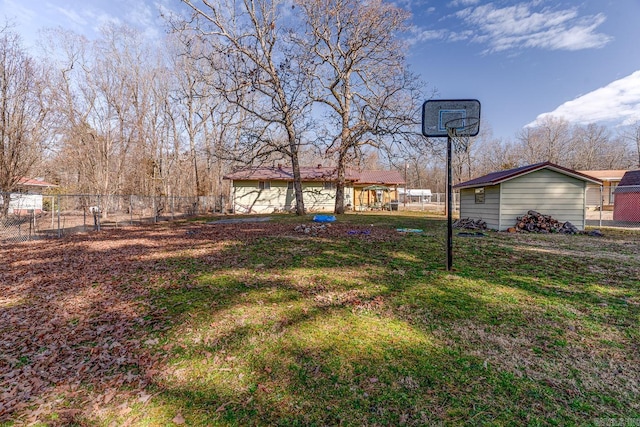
[{"x": 323, "y": 330}]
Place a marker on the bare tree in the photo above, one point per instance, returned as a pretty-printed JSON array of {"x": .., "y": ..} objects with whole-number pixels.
[
  {"x": 550, "y": 141},
  {"x": 593, "y": 148},
  {"x": 360, "y": 78},
  {"x": 23, "y": 115},
  {"x": 632, "y": 135},
  {"x": 258, "y": 70}
]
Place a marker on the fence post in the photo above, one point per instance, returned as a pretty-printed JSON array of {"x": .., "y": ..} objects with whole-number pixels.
[
  {"x": 53, "y": 210},
  {"x": 59, "y": 229},
  {"x": 131, "y": 209}
]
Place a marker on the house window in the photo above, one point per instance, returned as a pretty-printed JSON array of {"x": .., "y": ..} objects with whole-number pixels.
[
  {"x": 480, "y": 195},
  {"x": 264, "y": 185},
  {"x": 290, "y": 185},
  {"x": 328, "y": 185}
]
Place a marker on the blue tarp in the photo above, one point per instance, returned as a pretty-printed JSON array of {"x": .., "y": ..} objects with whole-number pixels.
[{"x": 324, "y": 218}]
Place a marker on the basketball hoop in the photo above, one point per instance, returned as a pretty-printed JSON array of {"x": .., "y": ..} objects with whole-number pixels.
[
  {"x": 460, "y": 130},
  {"x": 458, "y": 120}
]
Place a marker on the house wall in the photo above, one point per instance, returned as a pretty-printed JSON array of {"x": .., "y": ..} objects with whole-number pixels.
[
  {"x": 248, "y": 198},
  {"x": 364, "y": 199},
  {"x": 22, "y": 204},
  {"x": 487, "y": 211},
  {"x": 604, "y": 200},
  {"x": 544, "y": 191}
]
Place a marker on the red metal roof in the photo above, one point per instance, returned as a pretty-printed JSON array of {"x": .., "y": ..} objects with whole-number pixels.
[
  {"x": 29, "y": 182},
  {"x": 318, "y": 173}
]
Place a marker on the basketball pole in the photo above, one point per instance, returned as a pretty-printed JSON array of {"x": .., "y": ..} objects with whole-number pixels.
[{"x": 449, "y": 206}]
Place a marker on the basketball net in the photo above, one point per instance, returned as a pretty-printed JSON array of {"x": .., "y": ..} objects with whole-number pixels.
[{"x": 460, "y": 130}]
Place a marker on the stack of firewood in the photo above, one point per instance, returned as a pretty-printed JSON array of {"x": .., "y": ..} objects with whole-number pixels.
[
  {"x": 535, "y": 222},
  {"x": 470, "y": 224}
]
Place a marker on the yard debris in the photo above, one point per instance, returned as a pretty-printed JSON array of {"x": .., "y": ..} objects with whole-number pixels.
[
  {"x": 535, "y": 222},
  {"x": 470, "y": 224},
  {"x": 312, "y": 230},
  {"x": 354, "y": 232}
]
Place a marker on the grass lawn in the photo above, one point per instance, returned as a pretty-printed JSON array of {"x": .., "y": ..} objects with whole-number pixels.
[{"x": 356, "y": 324}]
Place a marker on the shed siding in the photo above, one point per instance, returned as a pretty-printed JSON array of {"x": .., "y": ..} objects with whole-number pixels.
[
  {"x": 545, "y": 191},
  {"x": 487, "y": 211}
]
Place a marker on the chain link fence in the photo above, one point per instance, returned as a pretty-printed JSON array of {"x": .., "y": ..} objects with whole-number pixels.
[{"x": 66, "y": 214}]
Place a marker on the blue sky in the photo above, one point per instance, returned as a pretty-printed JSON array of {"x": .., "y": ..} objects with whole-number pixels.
[{"x": 522, "y": 59}]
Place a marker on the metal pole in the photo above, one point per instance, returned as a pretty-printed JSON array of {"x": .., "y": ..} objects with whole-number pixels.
[
  {"x": 449, "y": 207},
  {"x": 601, "y": 205}
]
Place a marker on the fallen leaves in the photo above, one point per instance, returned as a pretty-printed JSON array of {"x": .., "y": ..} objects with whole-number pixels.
[
  {"x": 178, "y": 419},
  {"x": 75, "y": 313}
]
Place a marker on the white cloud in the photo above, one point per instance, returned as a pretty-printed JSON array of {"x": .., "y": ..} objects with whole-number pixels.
[
  {"x": 617, "y": 103},
  {"x": 72, "y": 15},
  {"x": 520, "y": 26},
  {"x": 458, "y": 3},
  {"x": 420, "y": 35}
]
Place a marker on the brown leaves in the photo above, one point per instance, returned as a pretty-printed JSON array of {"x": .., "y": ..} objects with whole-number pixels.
[
  {"x": 76, "y": 310},
  {"x": 178, "y": 419}
]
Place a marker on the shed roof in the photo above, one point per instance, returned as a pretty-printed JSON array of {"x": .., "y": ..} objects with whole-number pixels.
[
  {"x": 630, "y": 178},
  {"x": 630, "y": 183},
  {"x": 499, "y": 177}
]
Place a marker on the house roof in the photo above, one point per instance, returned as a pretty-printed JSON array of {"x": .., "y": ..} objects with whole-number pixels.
[
  {"x": 606, "y": 175},
  {"x": 318, "y": 173},
  {"x": 379, "y": 177},
  {"x": 29, "y": 182},
  {"x": 499, "y": 177}
]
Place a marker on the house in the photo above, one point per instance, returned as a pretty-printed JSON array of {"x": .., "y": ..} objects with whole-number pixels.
[
  {"x": 602, "y": 197},
  {"x": 28, "y": 197},
  {"x": 270, "y": 189},
  {"x": 500, "y": 197},
  {"x": 627, "y": 198}
]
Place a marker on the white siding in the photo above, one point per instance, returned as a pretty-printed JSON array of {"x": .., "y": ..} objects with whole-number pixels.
[
  {"x": 20, "y": 202},
  {"x": 487, "y": 211},
  {"x": 248, "y": 198},
  {"x": 544, "y": 191}
]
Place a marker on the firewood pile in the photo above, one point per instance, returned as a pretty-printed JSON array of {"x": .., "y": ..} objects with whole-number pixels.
[
  {"x": 470, "y": 224},
  {"x": 535, "y": 222}
]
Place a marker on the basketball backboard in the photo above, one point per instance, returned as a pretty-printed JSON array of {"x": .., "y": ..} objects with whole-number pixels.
[{"x": 461, "y": 113}]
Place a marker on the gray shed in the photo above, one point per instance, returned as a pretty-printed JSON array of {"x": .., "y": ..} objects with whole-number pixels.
[{"x": 500, "y": 197}]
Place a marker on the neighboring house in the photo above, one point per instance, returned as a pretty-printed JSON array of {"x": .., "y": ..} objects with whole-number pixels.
[
  {"x": 270, "y": 189},
  {"x": 627, "y": 201},
  {"x": 602, "y": 197},
  {"x": 28, "y": 197},
  {"x": 500, "y": 197}
]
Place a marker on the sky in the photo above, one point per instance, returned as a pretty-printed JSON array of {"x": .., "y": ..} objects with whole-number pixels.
[{"x": 523, "y": 60}]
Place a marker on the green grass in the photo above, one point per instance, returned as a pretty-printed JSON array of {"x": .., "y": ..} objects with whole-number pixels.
[
  {"x": 344, "y": 330},
  {"x": 357, "y": 332}
]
